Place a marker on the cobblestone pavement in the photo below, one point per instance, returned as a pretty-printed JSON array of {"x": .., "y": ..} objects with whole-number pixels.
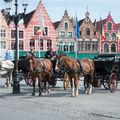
[{"x": 58, "y": 105}]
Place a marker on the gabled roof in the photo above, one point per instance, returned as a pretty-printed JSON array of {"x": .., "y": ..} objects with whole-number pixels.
[
  {"x": 80, "y": 22},
  {"x": 28, "y": 17},
  {"x": 56, "y": 24},
  {"x": 98, "y": 24}
]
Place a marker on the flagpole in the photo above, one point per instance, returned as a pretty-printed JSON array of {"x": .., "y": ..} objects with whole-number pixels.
[{"x": 76, "y": 55}]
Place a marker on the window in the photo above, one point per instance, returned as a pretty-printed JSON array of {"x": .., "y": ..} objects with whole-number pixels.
[
  {"x": 66, "y": 25},
  {"x": 62, "y": 34},
  {"x": 94, "y": 32},
  {"x": 65, "y": 47},
  {"x": 80, "y": 45},
  {"x": 3, "y": 32},
  {"x": 113, "y": 35},
  {"x": 87, "y": 45},
  {"x": 46, "y": 32},
  {"x": 107, "y": 36},
  {"x": 69, "y": 34},
  {"x": 109, "y": 26},
  {"x": 72, "y": 46},
  {"x": 60, "y": 46},
  {"x": 95, "y": 45},
  {"x": 113, "y": 48},
  {"x": 40, "y": 45},
  {"x": 32, "y": 43},
  {"x": 3, "y": 44},
  {"x": 49, "y": 43},
  {"x": 12, "y": 33},
  {"x": 36, "y": 28},
  {"x": 106, "y": 48},
  {"x": 87, "y": 32},
  {"x": 21, "y": 36},
  {"x": 20, "y": 44},
  {"x": 12, "y": 44}
]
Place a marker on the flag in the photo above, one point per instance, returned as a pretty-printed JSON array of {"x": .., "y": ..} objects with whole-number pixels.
[
  {"x": 77, "y": 31},
  {"x": 102, "y": 34},
  {"x": 41, "y": 22},
  {"x": 39, "y": 32}
]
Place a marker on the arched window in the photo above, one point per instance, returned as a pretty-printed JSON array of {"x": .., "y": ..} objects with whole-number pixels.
[
  {"x": 107, "y": 36},
  {"x": 87, "y": 32},
  {"x": 66, "y": 25},
  {"x": 109, "y": 26},
  {"x": 113, "y": 48},
  {"x": 106, "y": 48},
  {"x": 113, "y": 35}
]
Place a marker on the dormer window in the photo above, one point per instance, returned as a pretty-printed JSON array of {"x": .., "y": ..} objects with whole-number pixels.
[
  {"x": 87, "y": 32},
  {"x": 66, "y": 25},
  {"x": 109, "y": 26}
]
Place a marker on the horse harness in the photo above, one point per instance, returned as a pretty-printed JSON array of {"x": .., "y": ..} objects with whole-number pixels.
[
  {"x": 41, "y": 67},
  {"x": 71, "y": 70}
]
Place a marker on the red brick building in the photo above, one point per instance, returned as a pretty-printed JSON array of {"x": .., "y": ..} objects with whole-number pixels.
[{"x": 110, "y": 31}]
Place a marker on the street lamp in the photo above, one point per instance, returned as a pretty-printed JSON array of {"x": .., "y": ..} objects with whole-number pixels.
[{"x": 16, "y": 18}]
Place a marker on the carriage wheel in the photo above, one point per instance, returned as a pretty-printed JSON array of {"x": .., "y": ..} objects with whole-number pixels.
[
  {"x": 113, "y": 82},
  {"x": 105, "y": 82},
  {"x": 28, "y": 80}
]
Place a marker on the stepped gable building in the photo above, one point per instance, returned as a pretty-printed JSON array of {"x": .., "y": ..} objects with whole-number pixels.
[
  {"x": 111, "y": 33},
  {"x": 65, "y": 33},
  {"x": 31, "y": 22},
  {"x": 89, "y": 37},
  {"x": 27, "y": 29}
]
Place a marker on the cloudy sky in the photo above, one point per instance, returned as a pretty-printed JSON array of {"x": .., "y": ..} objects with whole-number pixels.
[{"x": 56, "y": 8}]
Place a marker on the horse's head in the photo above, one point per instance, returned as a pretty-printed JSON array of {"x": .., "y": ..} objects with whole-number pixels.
[
  {"x": 30, "y": 63},
  {"x": 60, "y": 63}
]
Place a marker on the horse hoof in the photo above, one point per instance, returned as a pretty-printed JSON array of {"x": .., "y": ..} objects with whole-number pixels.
[
  {"x": 33, "y": 94},
  {"x": 72, "y": 95},
  {"x": 86, "y": 92},
  {"x": 39, "y": 95},
  {"x": 89, "y": 93},
  {"x": 76, "y": 95}
]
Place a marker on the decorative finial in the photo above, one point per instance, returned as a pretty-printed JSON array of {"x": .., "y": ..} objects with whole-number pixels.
[{"x": 87, "y": 13}]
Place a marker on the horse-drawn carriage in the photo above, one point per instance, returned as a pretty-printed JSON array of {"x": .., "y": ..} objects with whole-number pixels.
[
  {"x": 107, "y": 71},
  {"x": 25, "y": 74}
]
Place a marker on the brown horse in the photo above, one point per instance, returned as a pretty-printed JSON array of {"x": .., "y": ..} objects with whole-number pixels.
[
  {"x": 71, "y": 69},
  {"x": 74, "y": 69},
  {"x": 87, "y": 70},
  {"x": 40, "y": 69}
]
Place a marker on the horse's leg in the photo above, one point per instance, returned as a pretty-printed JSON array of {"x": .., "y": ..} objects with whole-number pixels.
[
  {"x": 34, "y": 81},
  {"x": 72, "y": 87},
  {"x": 87, "y": 84},
  {"x": 10, "y": 79},
  {"x": 40, "y": 89},
  {"x": 90, "y": 84},
  {"x": 6, "y": 83},
  {"x": 48, "y": 81},
  {"x": 76, "y": 83}
]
